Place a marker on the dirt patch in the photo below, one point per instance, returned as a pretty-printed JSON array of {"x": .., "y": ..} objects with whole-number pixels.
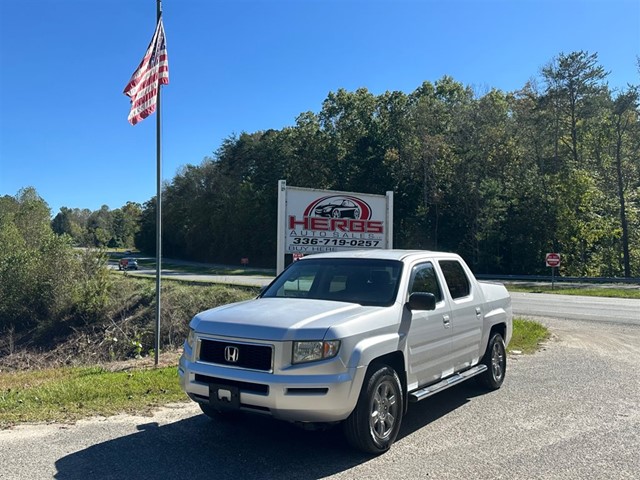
[
  {"x": 615, "y": 341},
  {"x": 166, "y": 359}
]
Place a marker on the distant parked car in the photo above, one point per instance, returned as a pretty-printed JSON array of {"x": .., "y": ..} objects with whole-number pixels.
[
  {"x": 344, "y": 209},
  {"x": 128, "y": 264}
]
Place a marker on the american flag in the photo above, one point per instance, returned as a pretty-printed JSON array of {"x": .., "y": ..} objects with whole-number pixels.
[{"x": 145, "y": 82}]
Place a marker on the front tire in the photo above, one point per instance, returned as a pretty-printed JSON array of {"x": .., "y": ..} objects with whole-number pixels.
[
  {"x": 374, "y": 424},
  {"x": 495, "y": 358}
]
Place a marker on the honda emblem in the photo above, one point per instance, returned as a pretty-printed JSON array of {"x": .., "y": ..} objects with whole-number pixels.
[{"x": 231, "y": 354}]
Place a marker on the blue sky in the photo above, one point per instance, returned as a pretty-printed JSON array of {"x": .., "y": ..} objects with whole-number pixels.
[{"x": 252, "y": 65}]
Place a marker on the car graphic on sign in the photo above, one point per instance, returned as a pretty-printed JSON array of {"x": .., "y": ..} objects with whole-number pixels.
[{"x": 338, "y": 209}]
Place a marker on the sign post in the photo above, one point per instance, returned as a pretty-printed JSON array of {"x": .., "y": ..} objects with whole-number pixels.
[{"x": 552, "y": 260}]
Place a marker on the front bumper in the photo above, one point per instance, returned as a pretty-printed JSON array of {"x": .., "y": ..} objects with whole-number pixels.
[{"x": 297, "y": 395}]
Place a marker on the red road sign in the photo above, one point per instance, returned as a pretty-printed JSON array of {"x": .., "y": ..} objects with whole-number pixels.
[{"x": 553, "y": 259}]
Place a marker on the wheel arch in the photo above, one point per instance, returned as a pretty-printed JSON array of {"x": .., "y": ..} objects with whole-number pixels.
[
  {"x": 396, "y": 361},
  {"x": 500, "y": 328}
]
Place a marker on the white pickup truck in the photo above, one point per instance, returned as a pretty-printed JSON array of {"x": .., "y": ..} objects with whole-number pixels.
[{"x": 350, "y": 337}]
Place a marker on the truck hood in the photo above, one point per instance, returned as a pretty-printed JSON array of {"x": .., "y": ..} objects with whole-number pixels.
[{"x": 277, "y": 319}]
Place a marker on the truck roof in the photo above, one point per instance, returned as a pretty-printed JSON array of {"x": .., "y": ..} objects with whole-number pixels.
[{"x": 401, "y": 255}]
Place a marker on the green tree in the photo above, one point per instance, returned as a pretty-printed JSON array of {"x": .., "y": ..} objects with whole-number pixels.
[
  {"x": 100, "y": 227},
  {"x": 44, "y": 288},
  {"x": 355, "y": 147},
  {"x": 145, "y": 238},
  {"x": 73, "y": 222},
  {"x": 625, "y": 120},
  {"x": 533, "y": 209},
  {"x": 573, "y": 81},
  {"x": 125, "y": 224},
  {"x": 309, "y": 164}
]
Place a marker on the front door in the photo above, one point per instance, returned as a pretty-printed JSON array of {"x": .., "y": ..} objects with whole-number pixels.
[{"x": 429, "y": 335}]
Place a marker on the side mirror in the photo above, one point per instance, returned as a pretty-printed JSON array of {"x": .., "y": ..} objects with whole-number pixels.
[{"x": 422, "y": 301}]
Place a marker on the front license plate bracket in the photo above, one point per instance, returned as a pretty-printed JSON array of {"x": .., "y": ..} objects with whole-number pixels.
[{"x": 224, "y": 397}]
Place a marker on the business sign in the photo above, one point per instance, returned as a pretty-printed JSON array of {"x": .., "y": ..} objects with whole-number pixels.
[{"x": 315, "y": 221}]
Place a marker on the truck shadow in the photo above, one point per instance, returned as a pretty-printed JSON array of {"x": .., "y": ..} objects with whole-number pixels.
[
  {"x": 431, "y": 409},
  {"x": 250, "y": 447}
]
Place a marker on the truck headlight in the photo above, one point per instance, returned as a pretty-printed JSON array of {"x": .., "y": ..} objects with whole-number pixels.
[
  {"x": 191, "y": 338},
  {"x": 310, "y": 351}
]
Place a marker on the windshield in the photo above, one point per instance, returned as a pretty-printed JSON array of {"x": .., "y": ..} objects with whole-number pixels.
[{"x": 363, "y": 281}]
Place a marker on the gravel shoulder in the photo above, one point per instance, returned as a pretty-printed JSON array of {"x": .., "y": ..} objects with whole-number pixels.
[{"x": 570, "y": 411}]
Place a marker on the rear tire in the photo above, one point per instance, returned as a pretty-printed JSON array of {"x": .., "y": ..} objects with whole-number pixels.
[
  {"x": 374, "y": 424},
  {"x": 495, "y": 358}
]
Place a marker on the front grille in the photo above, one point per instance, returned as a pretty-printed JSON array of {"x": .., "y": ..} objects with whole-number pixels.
[{"x": 249, "y": 356}]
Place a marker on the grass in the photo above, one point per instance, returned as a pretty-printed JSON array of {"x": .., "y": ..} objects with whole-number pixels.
[
  {"x": 68, "y": 394},
  {"x": 527, "y": 335},
  {"x": 611, "y": 292}
]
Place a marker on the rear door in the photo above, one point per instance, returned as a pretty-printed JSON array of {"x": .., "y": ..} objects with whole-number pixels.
[
  {"x": 429, "y": 335},
  {"x": 466, "y": 314}
]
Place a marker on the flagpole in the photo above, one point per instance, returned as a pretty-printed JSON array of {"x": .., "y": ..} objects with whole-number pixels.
[{"x": 158, "y": 206}]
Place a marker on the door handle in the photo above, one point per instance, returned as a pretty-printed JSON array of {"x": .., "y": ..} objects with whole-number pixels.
[
  {"x": 446, "y": 320},
  {"x": 478, "y": 312}
]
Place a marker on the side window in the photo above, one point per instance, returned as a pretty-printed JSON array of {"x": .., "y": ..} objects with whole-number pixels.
[
  {"x": 456, "y": 278},
  {"x": 425, "y": 280}
]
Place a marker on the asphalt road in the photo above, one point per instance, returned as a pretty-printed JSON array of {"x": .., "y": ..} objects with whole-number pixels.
[{"x": 569, "y": 307}]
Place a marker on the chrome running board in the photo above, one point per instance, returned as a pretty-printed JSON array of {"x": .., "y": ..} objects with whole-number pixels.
[{"x": 425, "y": 392}]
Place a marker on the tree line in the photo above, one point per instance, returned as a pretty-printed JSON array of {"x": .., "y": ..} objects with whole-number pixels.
[
  {"x": 500, "y": 177},
  {"x": 101, "y": 228}
]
